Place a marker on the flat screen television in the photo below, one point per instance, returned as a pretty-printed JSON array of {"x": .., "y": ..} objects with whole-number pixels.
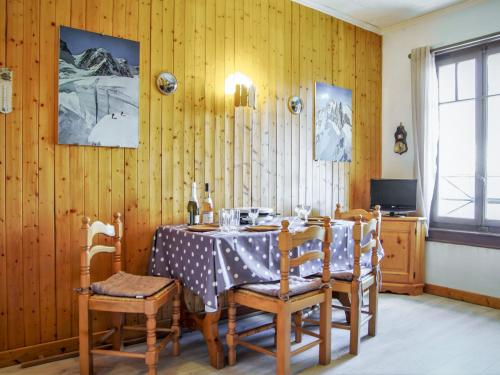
[{"x": 394, "y": 196}]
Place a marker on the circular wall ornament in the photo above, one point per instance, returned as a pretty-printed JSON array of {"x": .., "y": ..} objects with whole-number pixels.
[
  {"x": 166, "y": 83},
  {"x": 295, "y": 105}
]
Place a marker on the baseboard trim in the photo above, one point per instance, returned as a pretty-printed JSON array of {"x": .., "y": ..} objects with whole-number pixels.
[
  {"x": 28, "y": 353},
  {"x": 462, "y": 295}
]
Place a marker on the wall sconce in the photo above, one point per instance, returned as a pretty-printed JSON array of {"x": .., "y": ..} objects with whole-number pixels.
[
  {"x": 400, "y": 145},
  {"x": 244, "y": 96},
  {"x": 242, "y": 88}
]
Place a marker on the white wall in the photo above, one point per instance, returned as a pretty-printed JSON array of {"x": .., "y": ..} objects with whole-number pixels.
[
  {"x": 473, "y": 269},
  {"x": 468, "y": 20},
  {"x": 449, "y": 26}
]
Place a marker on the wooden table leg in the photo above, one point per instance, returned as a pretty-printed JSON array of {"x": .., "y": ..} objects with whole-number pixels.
[
  {"x": 210, "y": 330},
  {"x": 208, "y": 324}
]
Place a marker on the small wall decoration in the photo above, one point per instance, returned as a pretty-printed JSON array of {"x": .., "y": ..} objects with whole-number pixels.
[
  {"x": 6, "y": 81},
  {"x": 400, "y": 145},
  {"x": 333, "y": 123},
  {"x": 295, "y": 105},
  {"x": 166, "y": 83},
  {"x": 98, "y": 89}
]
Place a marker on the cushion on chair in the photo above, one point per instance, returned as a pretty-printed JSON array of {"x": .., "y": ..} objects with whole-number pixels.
[
  {"x": 346, "y": 275},
  {"x": 123, "y": 284},
  {"x": 297, "y": 285}
]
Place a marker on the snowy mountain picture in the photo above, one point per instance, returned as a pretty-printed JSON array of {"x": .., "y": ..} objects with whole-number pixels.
[
  {"x": 333, "y": 123},
  {"x": 98, "y": 90}
]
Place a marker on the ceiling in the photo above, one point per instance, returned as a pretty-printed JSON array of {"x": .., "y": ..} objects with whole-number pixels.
[{"x": 378, "y": 14}]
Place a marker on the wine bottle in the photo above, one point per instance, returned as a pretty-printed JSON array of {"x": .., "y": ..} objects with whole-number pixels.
[
  {"x": 193, "y": 207},
  {"x": 207, "y": 207}
]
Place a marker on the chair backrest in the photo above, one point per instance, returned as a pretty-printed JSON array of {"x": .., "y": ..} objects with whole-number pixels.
[
  {"x": 287, "y": 241},
  {"x": 89, "y": 249},
  {"x": 366, "y": 223},
  {"x": 366, "y": 216}
]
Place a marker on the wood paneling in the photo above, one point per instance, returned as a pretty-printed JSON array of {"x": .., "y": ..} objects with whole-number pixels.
[
  {"x": 30, "y": 97},
  {"x": 4, "y": 342},
  {"x": 259, "y": 157},
  {"x": 13, "y": 179}
]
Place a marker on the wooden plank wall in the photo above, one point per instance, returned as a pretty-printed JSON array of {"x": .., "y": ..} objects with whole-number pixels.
[{"x": 260, "y": 157}]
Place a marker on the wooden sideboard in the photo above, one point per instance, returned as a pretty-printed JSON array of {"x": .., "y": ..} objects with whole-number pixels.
[{"x": 403, "y": 240}]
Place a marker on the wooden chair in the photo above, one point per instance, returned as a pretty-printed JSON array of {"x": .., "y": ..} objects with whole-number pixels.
[
  {"x": 356, "y": 281},
  {"x": 283, "y": 298},
  {"x": 366, "y": 235},
  {"x": 122, "y": 293}
]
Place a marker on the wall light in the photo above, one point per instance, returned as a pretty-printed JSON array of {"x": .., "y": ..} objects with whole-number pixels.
[{"x": 241, "y": 86}]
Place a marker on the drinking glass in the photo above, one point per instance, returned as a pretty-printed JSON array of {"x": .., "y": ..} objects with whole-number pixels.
[
  {"x": 224, "y": 219},
  {"x": 253, "y": 214},
  {"x": 306, "y": 211},
  {"x": 234, "y": 219}
]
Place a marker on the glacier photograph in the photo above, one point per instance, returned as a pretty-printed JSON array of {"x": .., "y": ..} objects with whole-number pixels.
[
  {"x": 98, "y": 90},
  {"x": 333, "y": 123}
]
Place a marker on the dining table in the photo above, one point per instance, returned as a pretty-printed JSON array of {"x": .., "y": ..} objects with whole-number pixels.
[{"x": 210, "y": 263}]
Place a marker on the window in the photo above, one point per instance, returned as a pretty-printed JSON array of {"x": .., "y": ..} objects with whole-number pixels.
[{"x": 467, "y": 192}]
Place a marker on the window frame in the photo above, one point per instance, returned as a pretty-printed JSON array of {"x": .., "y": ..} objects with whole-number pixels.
[
  {"x": 491, "y": 49},
  {"x": 479, "y": 224}
]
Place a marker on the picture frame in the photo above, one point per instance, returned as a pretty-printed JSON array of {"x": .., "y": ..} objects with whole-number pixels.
[
  {"x": 333, "y": 122},
  {"x": 98, "y": 89}
]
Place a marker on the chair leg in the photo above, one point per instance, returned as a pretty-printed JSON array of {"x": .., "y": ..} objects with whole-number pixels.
[
  {"x": 151, "y": 353},
  {"x": 176, "y": 317},
  {"x": 354, "y": 319},
  {"x": 231, "y": 337},
  {"x": 117, "y": 338},
  {"x": 373, "y": 310},
  {"x": 298, "y": 326},
  {"x": 85, "y": 335},
  {"x": 283, "y": 343},
  {"x": 325, "y": 329}
]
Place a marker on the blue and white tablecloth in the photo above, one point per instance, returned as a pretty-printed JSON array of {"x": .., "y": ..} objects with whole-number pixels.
[{"x": 211, "y": 263}]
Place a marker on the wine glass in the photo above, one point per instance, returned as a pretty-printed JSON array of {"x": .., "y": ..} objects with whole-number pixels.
[
  {"x": 253, "y": 213},
  {"x": 298, "y": 210},
  {"x": 306, "y": 211}
]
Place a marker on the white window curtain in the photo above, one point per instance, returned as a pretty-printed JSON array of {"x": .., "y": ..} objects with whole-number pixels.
[{"x": 424, "y": 94}]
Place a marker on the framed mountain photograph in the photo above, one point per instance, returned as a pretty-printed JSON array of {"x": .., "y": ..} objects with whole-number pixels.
[
  {"x": 98, "y": 90},
  {"x": 332, "y": 123}
]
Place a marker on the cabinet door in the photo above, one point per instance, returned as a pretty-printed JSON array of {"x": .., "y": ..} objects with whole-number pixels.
[{"x": 396, "y": 241}]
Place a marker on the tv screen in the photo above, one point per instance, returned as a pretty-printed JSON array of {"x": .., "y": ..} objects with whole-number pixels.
[{"x": 394, "y": 195}]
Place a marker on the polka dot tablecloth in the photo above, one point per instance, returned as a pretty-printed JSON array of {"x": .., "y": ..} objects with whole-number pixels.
[{"x": 211, "y": 263}]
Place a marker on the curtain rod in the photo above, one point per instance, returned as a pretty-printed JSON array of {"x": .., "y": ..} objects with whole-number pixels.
[{"x": 465, "y": 44}]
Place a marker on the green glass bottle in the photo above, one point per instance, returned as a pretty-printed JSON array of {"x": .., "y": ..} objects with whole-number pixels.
[{"x": 193, "y": 207}]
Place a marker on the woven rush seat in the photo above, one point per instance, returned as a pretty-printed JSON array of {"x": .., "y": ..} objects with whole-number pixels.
[
  {"x": 346, "y": 275},
  {"x": 123, "y": 284},
  {"x": 298, "y": 285}
]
